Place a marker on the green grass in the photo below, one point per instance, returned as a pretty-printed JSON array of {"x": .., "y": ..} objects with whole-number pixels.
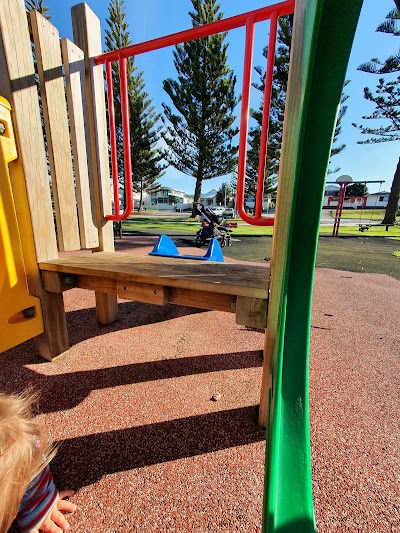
[
  {"x": 184, "y": 225},
  {"x": 396, "y": 254},
  {"x": 375, "y": 231},
  {"x": 362, "y": 215}
]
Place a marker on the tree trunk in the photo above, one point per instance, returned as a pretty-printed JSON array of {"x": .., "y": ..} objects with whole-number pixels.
[
  {"x": 141, "y": 196},
  {"x": 197, "y": 190},
  {"x": 393, "y": 202}
]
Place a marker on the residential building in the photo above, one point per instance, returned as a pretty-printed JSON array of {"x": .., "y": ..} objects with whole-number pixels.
[
  {"x": 167, "y": 199},
  {"x": 269, "y": 202},
  {"x": 209, "y": 198},
  {"x": 377, "y": 199}
]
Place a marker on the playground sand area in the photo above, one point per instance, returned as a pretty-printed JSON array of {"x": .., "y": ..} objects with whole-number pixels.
[{"x": 156, "y": 415}]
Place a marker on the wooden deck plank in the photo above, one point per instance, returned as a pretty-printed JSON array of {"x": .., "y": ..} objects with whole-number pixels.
[{"x": 224, "y": 278}]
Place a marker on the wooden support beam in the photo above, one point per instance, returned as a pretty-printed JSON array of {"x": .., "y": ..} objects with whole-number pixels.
[
  {"x": 56, "y": 282},
  {"x": 251, "y": 312},
  {"x": 106, "y": 308},
  {"x": 49, "y": 62},
  {"x": 54, "y": 341},
  {"x": 87, "y": 35},
  {"x": 142, "y": 292},
  {"x": 74, "y": 66},
  {"x": 202, "y": 299}
]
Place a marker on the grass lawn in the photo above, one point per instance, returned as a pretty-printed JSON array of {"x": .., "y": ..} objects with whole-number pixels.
[
  {"x": 375, "y": 231},
  {"x": 185, "y": 226},
  {"x": 362, "y": 215}
]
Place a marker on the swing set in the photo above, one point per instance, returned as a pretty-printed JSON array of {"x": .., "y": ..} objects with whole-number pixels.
[
  {"x": 343, "y": 182},
  {"x": 34, "y": 277}
]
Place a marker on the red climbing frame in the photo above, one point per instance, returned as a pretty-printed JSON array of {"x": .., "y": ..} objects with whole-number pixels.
[{"x": 246, "y": 19}]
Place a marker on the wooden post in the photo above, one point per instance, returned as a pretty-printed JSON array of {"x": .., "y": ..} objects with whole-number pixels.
[
  {"x": 87, "y": 35},
  {"x": 283, "y": 212},
  {"x": 28, "y": 173},
  {"x": 18, "y": 86},
  {"x": 49, "y": 62},
  {"x": 74, "y": 67}
]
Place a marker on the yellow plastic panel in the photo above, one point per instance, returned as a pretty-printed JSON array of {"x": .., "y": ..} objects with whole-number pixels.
[{"x": 20, "y": 314}]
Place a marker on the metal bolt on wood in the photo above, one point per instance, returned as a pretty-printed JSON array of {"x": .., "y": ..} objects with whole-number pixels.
[{"x": 2, "y": 128}]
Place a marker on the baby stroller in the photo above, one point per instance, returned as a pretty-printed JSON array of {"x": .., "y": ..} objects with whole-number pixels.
[{"x": 211, "y": 228}]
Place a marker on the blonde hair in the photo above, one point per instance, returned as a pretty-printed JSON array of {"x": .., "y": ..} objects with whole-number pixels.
[{"x": 24, "y": 452}]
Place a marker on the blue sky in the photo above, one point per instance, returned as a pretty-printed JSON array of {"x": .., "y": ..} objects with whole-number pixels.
[{"x": 154, "y": 18}]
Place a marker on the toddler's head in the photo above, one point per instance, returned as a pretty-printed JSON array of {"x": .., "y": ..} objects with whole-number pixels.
[{"x": 23, "y": 452}]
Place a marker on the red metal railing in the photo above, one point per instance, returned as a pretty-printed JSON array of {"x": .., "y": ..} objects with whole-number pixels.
[{"x": 246, "y": 19}]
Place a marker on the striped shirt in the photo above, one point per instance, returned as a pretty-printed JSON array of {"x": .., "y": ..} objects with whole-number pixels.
[{"x": 38, "y": 500}]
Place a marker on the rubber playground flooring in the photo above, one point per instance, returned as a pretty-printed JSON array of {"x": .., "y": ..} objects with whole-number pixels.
[{"x": 148, "y": 450}]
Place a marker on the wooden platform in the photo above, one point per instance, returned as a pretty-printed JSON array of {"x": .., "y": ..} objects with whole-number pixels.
[{"x": 235, "y": 288}]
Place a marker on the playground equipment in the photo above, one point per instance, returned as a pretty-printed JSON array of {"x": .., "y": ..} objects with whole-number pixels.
[
  {"x": 316, "y": 79},
  {"x": 165, "y": 247},
  {"x": 343, "y": 182}
]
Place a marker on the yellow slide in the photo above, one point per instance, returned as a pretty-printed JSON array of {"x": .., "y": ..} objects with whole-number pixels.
[{"x": 20, "y": 313}]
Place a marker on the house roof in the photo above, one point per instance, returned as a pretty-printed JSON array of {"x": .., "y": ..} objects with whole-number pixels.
[
  {"x": 209, "y": 194},
  {"x": 332, "y": 188}
]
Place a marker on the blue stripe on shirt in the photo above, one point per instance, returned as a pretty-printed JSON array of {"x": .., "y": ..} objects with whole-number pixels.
[{"x": 38, "y": 500}]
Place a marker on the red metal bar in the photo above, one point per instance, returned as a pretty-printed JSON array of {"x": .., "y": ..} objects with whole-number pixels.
[
  {"x": 339, "y": 209},
  {"x": 244, "y": 118},
  {"x": 219, "y": 26},
  {"x": 113, "y": 137},
  {"x": 265, "y": 116},
  {"x": 126, "y": 146},
  {"x": 244, "y": 123},
  {"x": 246, "y": 19}
]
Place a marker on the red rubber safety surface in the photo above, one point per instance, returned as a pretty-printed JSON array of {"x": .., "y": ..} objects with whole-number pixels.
[{"x": 148, "y": 450}]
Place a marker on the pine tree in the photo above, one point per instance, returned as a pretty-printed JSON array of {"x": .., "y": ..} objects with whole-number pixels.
[
  {"x": 356, "y": 189},
  {"x": 277, "y": 111},
  {"x": 387, "y": 108},
  {"x": 37, "y": 5},
  {"x": 336, "y": 149},
  {"x": 224, "y": 194},
  {"x": 392, "y": 63},
  {"x": 144, "y": 133},
  {"x": 200, "y": 137}
]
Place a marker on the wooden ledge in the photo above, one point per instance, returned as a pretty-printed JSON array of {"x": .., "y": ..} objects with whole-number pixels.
[{"x": 239, "y": 288}]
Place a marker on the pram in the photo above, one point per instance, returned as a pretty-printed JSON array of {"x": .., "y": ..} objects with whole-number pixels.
[{"x": 211, "y": 227}]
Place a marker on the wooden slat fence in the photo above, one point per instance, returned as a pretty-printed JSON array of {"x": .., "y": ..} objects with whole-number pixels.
[{"x": 69, "y": 196}]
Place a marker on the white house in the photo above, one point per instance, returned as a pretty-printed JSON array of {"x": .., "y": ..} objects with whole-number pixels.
[
  {"x": 209, "y": 198},
  {"x": 167, "y": 199},
  {"x": 269, "y": 202},
  {"x": 377, "y": 199}
]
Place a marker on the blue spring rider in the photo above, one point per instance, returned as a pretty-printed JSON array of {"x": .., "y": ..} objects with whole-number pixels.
[{"x": 166, "y": 248}]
